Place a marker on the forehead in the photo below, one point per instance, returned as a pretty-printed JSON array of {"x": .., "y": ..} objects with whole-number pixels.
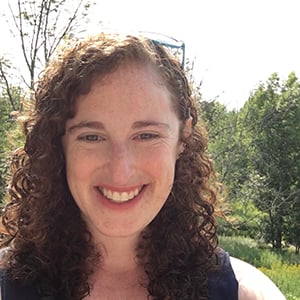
[
  {"x": 134, "y": 83},
  {"x": 136, "y": 70},
  {"x": 138, "y": 77},
  {"x": 131, "y": 94}
]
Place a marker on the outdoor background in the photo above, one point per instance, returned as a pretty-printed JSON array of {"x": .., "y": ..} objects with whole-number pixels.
[{"x": 243, "y": 59}]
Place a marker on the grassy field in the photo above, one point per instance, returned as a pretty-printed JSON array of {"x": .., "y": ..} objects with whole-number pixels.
[{"x": 283, "y": 267}]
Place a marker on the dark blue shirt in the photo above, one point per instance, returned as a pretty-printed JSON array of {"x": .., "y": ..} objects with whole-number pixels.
[{"x": 222, "y": 285}]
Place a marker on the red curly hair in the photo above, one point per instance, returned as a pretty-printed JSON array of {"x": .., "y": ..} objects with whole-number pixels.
[{"x": 49, "y": 243}]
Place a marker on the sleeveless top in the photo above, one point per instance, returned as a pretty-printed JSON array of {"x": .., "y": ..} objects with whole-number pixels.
[{"x": 222, "y": 285}]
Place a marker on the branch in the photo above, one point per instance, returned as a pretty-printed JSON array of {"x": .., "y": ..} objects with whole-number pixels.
[
  {"x": 35, "y": 47},
  {"x": 7, "y": 87},
  {"x": 65, "y": 31},
  {"x": 45, "y": 30},
  {"x": 25, "y": 82},
  {"x": 14, "y": 18},
  {"x": 20, "y": 28}
]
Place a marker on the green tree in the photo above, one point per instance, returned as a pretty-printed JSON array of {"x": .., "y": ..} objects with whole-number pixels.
[
  {"x": 10, "y": 135},
  {"x": 273, "y": 118},
  {"x": 5, "y": 85},
  {"x": 39, "y": 26},
  {"x": 228, "y": 144},
  {"x": 256, "y": 155}
]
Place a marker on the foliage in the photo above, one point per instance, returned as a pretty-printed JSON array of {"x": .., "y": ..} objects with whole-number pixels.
[
  {"x": 273, "y": 123},
  {"x": 229, "y": 148},
  {"x": 39, "y": 26},
  {"x": 10, "y": 135},
  {"x": 8, "y": 91},
  {"x": 256, "y": 153}
]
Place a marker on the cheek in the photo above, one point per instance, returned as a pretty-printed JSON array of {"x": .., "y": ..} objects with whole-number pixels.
[
  {"x": 162, "y": 166},
  {"x": 78, "y": 167}
]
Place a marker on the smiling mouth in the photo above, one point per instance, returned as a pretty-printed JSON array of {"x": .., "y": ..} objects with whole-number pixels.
[{"x": 120, "y": 197}]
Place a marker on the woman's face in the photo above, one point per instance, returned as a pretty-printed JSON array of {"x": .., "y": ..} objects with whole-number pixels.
[{"x": 121, "y": 148}]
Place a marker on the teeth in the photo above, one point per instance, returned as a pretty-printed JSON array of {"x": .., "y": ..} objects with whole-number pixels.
[{"x": 119, "y": 197}]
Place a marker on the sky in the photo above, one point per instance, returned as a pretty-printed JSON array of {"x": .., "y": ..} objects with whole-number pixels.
[{"x": 235, "y": 44}]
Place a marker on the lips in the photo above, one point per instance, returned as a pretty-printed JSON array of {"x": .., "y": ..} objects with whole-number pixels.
[{"x": 120, "y": 197}]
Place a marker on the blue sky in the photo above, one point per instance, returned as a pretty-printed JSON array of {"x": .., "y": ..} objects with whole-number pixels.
[{"x": 235, "y": 43}]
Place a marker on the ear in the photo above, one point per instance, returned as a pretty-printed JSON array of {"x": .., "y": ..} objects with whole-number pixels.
[{"x": 187, "y": 130}]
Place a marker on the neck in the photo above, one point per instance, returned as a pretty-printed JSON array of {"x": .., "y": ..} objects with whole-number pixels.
[
  {"x": 118, "y": 253},
  {"x": 120, "y": 265},
  {"x": 119, "y": 262}
]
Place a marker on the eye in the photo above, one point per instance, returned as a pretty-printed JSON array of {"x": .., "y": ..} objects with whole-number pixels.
[
  {"x": 90, "y": 138},
  {"x": 147, "y": 136}
]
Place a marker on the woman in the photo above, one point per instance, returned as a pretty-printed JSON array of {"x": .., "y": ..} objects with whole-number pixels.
[{"x": 113, "y": 194}]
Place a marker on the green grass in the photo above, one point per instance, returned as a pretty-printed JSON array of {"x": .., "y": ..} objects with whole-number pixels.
[{"x": 283, "y": 267}]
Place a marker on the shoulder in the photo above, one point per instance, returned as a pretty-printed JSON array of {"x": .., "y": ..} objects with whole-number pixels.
[
  {"x": 253, "y": 284},
  {"x": 222, "y": 283}
]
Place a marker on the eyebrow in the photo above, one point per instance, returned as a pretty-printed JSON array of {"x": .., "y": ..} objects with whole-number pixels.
[
  {"x": 100, "y": 126},
  {"x": 143, "y": 124},
  {"x": 87, "y": 124}
]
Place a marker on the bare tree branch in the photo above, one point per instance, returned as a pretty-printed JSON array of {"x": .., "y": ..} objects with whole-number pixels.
[
  {"x": 45, "y": 34},
  {"x": 41, "y": 26},
  {"x": 21, "y": 33},
  {"x": 65, "y": 31},
  {"x": 7, "y": 87}
]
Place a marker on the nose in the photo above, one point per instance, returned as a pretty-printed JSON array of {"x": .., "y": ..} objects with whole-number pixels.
[{"x": 121, "y": 164}]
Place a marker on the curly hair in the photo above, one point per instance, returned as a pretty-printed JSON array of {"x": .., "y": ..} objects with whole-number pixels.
[{"x": 49, "y": 242}]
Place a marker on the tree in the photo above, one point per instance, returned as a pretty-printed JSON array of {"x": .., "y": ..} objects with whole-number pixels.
[
  {"x": 41, "y": 26},
  {"x": 5, "y": 85},
  {"x": 256, "y": 155},
  {"x": 273, "y": 121},
  {"x": 9, "y": 134},
  {"x": 228, "y": 145}
]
